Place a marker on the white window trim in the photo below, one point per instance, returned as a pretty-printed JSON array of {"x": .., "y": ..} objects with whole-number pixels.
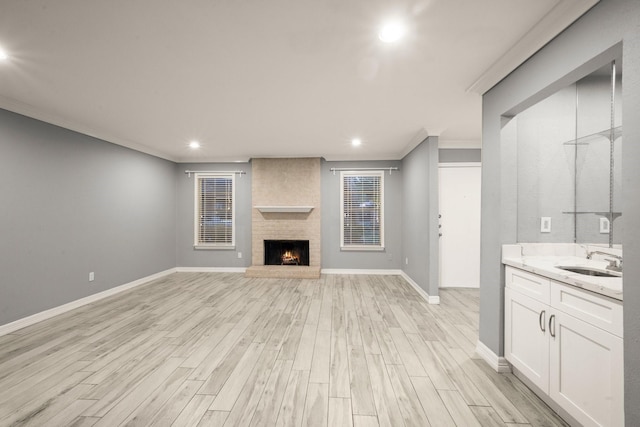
[
  {"x": 196, "y": 208},
  {"x": 379, "y": 247}
]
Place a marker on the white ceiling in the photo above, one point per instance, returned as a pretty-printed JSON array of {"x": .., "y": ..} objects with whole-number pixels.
[{"x": 278, "y": 78}]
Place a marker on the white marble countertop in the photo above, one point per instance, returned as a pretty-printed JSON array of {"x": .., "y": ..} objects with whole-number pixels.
[{"x": 547, "y": 266}]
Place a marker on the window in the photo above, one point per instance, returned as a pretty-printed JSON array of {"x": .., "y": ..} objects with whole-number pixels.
[
  {"x": 214, "y": 211},
  {"x": 362, "y": 210}
]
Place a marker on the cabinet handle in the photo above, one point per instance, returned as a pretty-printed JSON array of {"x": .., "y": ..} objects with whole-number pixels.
[
  {"x": 541, "y": 321},
  {"x": 552, "y": 331}
]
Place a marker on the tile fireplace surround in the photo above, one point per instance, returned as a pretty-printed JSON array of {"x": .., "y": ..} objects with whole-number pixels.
[{"x": 286, "y": 183}]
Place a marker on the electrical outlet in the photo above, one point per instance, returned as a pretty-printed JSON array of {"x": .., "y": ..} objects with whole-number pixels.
[
  {"x": 545, "y": 224},
  {"x": 605, "y": 226},
  {"x": 239, "y": 254},
  {"x": 92, "y": 276},
  {"x": 406, "y": 261}
]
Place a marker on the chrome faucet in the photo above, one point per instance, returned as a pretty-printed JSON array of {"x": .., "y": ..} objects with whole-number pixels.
[{"x": 615, "y": 263}]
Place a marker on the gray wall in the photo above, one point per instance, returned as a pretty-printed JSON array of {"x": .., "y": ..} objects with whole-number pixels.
[
  {"x": 546, "y": 165},
  {"x": 459, "y": 155},
  {"x": 547, "y": 159},
  {"x": 72, "y": 204},
  {"x": 420, "y": 215},
  {"x": 589, "y": 43},
  {"x": 186, "y": 255},
  {"x": 332, "y": 256}
]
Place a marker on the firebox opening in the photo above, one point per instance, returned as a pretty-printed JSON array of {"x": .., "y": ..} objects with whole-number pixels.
[{"x": 286, "y": 252}]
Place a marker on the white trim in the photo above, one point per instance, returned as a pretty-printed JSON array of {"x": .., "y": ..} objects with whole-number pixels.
[
  {"x": 284, "y": 209},
  {"x": 361, "y": 248},
  {"x": 417, "y": 139},
  {"x": 211, "y": 269},
  {"x": 372, "y": 272},
  {"x": 76, "y": 126},
  {"x": 47, "y": 314},
  {"x": 563, "y": 14},
  {"x": 196, "y": 209},
  {"x": 497, "y": 363},
  {"x": 460, "y": 165},
  {"x": 430, "y": 299},
  {"x": 372, "y": 172},
  {"x": 459, "y": 286}
]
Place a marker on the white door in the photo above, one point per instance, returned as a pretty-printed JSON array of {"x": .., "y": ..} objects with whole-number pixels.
[{"x": 460, "y": 224}]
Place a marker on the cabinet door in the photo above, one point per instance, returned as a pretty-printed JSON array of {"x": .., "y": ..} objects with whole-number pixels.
[
  {"x": 586, "y": 376},
  {"x": 528, "y": 284},
  {"x": 526, "y": 341}
]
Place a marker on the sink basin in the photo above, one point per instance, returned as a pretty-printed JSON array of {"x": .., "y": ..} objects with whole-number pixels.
[{"x": 590, "y": 271}]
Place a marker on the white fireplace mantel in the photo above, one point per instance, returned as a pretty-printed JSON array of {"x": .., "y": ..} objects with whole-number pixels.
[{"x": 284, "y": 209}]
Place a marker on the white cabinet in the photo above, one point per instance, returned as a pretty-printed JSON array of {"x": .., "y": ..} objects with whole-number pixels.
[
  {"x": 568, "y": 343},
  {"x": 586, "y": 372},
  {"x": 526, "y": 343}
]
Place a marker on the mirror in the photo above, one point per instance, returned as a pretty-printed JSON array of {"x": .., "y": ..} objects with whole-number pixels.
[{"x": 569, "y": 151}]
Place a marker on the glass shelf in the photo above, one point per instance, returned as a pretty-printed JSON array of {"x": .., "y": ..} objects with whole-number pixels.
[
  {"x": 586, "y": 140},
  {"x": 604, "y": 214}
]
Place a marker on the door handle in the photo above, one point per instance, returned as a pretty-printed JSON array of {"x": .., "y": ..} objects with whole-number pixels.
[
  {"x": 541, "y": 320},
  {"x": 552, "y": 331}
]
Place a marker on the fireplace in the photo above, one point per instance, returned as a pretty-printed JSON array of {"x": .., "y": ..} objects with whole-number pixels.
[{"x": 286, "y": 252}]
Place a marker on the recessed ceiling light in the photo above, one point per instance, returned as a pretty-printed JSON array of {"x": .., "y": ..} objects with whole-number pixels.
[
  {"x": 3, "y": 55},
  {"x": 194, "y": 144},
  {"x": 391, "y": 32},
  {"x": 356, "y": 141}
]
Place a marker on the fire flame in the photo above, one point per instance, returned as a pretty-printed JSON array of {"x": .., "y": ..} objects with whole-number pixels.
[{"x": 288, "y": 256}]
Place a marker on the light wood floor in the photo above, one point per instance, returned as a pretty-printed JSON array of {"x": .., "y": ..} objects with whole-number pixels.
[{"x": 218, "y": 349}]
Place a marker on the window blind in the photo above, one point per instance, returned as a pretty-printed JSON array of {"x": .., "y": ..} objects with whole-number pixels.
[
  {"x": 362, "y": 209},
  {"x": 215, "y": 210}
]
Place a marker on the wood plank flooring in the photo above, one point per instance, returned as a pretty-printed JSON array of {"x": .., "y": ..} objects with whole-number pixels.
[{"x": 219, "y": 349}]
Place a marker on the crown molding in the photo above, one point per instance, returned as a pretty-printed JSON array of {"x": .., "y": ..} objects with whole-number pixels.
[
  {"x": 563, "y": 14},
  {"x": 420, "y": 136},
  {"x": 73, "y": 125}
]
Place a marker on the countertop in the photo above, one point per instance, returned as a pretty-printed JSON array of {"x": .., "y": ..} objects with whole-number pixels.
[{"x": 545, "y": 265}]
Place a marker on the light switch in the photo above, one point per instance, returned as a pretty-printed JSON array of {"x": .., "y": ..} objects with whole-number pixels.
[
  {"x": 545, "y": 224},
  {"x": 605, "y": 225}
]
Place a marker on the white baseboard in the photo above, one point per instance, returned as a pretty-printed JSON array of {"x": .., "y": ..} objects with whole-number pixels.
[
  {"x": 47, "y": 314},
  {"x": 428, "y": 298},
  {"x": 499, "y": 364},
  {"x": 211, "y": 269},
  {"x": 460, "y": 287},
  {"x": 361, "y": 271}
]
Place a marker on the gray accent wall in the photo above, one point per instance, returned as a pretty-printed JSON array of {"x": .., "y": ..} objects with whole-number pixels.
[
  {"x": 332, "y": 256},
  {"x": 460, "y": 155},
  {"x": 186, "y": 254},
  {"x": 420, "y": 245},
  {"x": 589, "y": 43},
  {"x": 72, "y": 204}
]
